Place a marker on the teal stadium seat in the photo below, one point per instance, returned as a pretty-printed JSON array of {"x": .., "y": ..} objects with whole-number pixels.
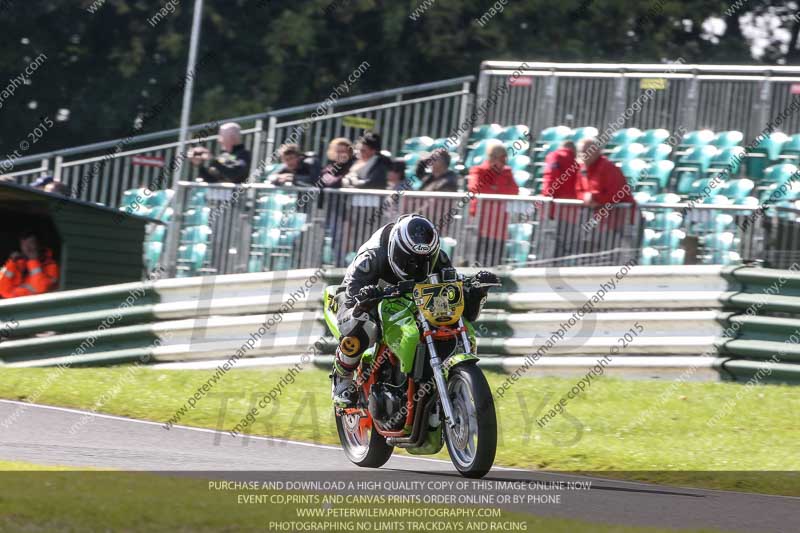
[
  {"x": 191, "y": 258},
  {"x": 666, "y": 198},
  {"x": 195, "y": 235},
  {"x": 642, "y": 197},
  {"x": 268, "y": 219},
  {"x": 197, "y": 198},
  {"x": 727, "y": 139},
  {"x": 698, "y": 189},
  {"x": 720, "y": 248},
  {"x": 553, "y": 135},
  {"x": 487, "y": 131},
  {"x": 663, "y": 220},
  {"x": 520, "y": 232},
  {"x": 448, "y": 244},
  {"x": 624, "y": 136},
  {"x": 697, "y": 138},
  {"x": 764, "y": 154},
  {"x": 157, "y": 234},
  {"x": 698, "y": 157},
  {"x": 653, "y": 256},
  {"x": 268, "y": 171},
  {"x": 653, "y": 137},
  {"x": 583, "y": 133},
  {"x": 417, "y": 144},
  {"x": 790, "y": 150},
  {"x": 656, "y": 152},
  {"x": 634, "y": 170},
  {"x": 520, "y": 162},
  {"x": 659, "y": 171},
  {"x": 275, "y": 201},
  {"x": 736, "y": 189},
  {"x": 514, "y": 133},
  {"x": 780, "y": 173},
  {"x": 518, "y": 147},
  {"x": 670, "y": 239},
  {"x": 197, "y": 216},
  {"x": 523, "y": 178},
  {"x": 442, "y": 142},
  {"x": 715, "y": 224},
  {"x": 152, "y": 254},
  {"x": 626, "y": 152},
  {"x": 727, "y": 159}
]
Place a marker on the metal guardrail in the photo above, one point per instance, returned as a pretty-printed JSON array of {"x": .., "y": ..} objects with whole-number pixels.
[
  {"x": 226, "y": 229},
  {"x": 762, "y": 325},
  {"x": 261, "y": 227},
  {"x": 718, "y": 97},
  {"x": 100, "y": 172},
  {"x": 212, "y": 317}
]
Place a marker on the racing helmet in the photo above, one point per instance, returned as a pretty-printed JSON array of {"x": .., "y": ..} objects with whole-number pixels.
[{"x": 413, "y": 247}]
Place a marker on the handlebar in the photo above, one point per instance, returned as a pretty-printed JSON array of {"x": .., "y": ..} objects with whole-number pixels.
[{"x": 394, "y": 291}]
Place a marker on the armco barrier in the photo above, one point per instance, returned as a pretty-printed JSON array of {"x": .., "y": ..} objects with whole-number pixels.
[
  {"x": 680, "y": 311},
  {"x": 759, "y": 346}
]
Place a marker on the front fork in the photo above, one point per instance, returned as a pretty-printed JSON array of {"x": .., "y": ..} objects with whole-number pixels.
[{"x": 438, "y": 374}]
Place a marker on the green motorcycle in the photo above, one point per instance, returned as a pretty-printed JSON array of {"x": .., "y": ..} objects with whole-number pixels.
[{"x": 420, "y": 386}]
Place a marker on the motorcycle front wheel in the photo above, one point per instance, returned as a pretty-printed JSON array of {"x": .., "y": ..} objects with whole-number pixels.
[
  {"x": 472, "y": 441},
  {"x": 361, "y": 442}
]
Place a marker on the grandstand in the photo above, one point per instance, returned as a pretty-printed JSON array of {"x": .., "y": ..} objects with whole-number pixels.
[{"x": 713, "y": 185}]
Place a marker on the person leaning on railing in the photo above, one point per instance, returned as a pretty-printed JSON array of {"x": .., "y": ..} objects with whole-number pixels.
[
  {"x": 295, "y": 169},
  {"x": 493, "y": 176},
  {"x": 369, "y": 172},
  {"x": 340, "y": 160},
  {"x": 602, "y": 186},
  {"x": 231, "y": 165},
  {"x": 32, "y": 270},
  {"x": 440, "y": 178}
]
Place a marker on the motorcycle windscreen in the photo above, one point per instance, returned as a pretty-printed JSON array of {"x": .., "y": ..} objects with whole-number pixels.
[{"x": 400, "y": 331}]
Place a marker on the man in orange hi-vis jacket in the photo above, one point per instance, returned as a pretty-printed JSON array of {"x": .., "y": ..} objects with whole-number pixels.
[{"x": 32, "y": 270}]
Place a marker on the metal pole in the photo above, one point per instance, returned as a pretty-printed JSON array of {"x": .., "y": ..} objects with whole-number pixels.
[{"x": 188, "y": 88}]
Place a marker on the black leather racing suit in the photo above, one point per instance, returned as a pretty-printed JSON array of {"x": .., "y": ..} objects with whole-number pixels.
[{"x": 361, "y": 329}]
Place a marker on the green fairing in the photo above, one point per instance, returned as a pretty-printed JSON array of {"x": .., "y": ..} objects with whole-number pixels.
[
  {"x": 400, "y": 332},
  {"x": 330, "y": 316}
]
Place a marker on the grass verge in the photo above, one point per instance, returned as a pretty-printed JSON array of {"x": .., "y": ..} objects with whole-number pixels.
[{"x": 642, "y": 430}]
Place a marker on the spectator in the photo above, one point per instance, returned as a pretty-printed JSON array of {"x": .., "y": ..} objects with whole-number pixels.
[
  {"x": 32, "y": 270},
  {"x": 601, "y": 181},
  {"x": 602, "y": 186},
  {"x": 440, "y": 178},
  {"x": 295, "y": 170},
  {"x": 42, "y": 182},
  {"x": 369, "y": 172},
  {"x": 493, "y": 176},
  {"x": 396, "y": 176},
  {"x": 57, "y": 187},
  {"x": 340, "y": 160},
  {"x": 232, "y": 165},
  {"x": 561, "y": 172}
]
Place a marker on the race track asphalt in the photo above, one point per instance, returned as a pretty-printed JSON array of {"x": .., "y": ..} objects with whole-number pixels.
[{"x": 58, "y": 436}]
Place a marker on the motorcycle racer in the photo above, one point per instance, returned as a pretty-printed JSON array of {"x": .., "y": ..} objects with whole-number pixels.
[{"x": 407, "y": 249}]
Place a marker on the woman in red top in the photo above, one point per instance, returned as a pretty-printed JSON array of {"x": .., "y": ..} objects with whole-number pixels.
[{"x": 493, "y": 176}]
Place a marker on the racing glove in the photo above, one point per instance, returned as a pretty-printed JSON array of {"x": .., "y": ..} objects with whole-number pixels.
[
  {"x": 366, "y": 294},
  {"x": 485, "y": 276}
]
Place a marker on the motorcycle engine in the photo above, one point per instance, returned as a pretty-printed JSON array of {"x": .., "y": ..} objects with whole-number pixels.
[{"x": 387, "y": 399}]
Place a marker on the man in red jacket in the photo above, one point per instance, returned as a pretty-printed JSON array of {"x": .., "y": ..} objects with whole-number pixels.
[
  {"x": 30, "y": 271},
  {"x": 561, "y": 172},
  {"x": 493, "y": 176},
  {"x": 601, "y": 186}
]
